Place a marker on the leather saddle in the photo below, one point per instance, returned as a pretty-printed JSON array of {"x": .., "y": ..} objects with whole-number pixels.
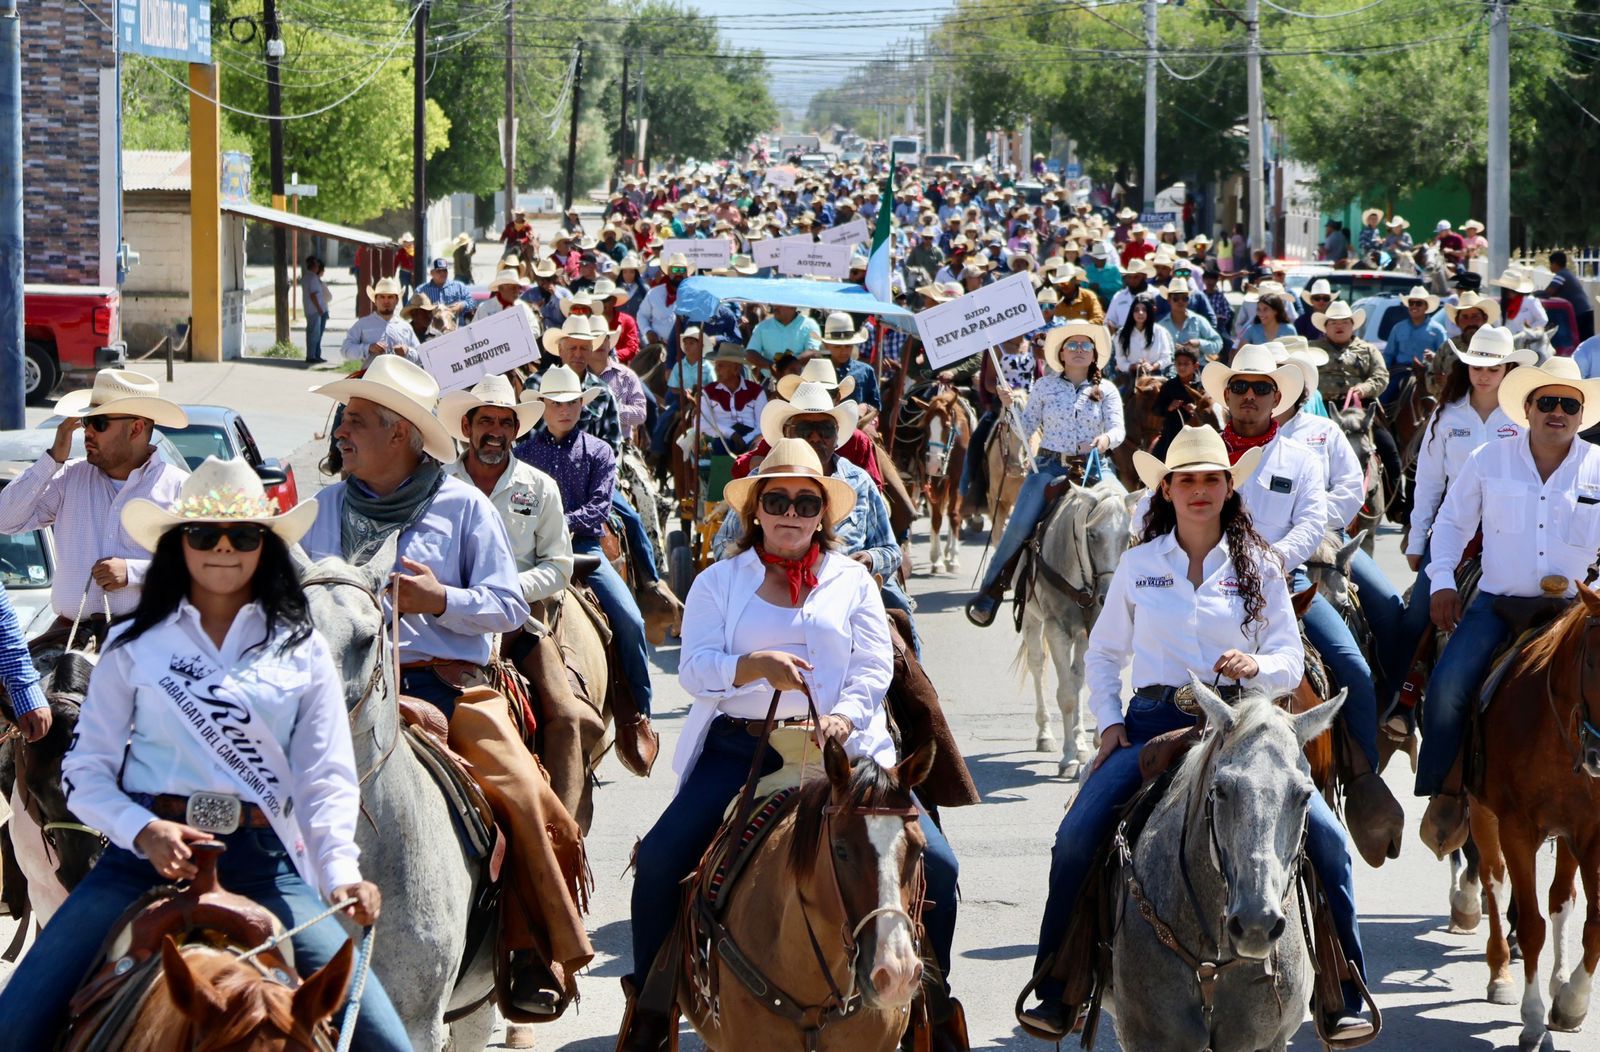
[
  {"x": 1525, "y": 617},
  {"x": 584, "y": 564}
]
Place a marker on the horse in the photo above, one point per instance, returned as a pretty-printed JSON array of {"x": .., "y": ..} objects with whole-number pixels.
[
  {"x": 845, "y": 863},
  {"x": 1539, "y": 719},
  {"x": 1142, "y": 418},
  {"x": 1233, "y": 822},
  {"x": 1356, "y": 422},
  {"x": 1083, "y": 538},
  {"x": 948, "y": 433},
  {"x": 1008, "y": 457}
]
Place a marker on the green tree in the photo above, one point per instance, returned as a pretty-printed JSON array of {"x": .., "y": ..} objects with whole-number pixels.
[{"x": 1556, "y": 191}]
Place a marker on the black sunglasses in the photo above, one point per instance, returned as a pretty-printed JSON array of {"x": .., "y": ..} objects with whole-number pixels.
[
  {"x": 1259, "y": 387},
  {"x": 807, "y": 505},
  {"x": 1548, "y": 403},
  {"x": 243, "y": 537},
  {"x": 819, "y": 428},
  {"x": 101, "y": 424}
]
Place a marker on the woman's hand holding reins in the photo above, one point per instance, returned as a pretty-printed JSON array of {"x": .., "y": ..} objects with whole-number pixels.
[
  {"x": 782, "y": 670},
  {"x": 367, "y": 905},
  {"x": 166, "y": 845},
  {"x": 1236, "y": 664},
  {"x": 1112, "y": 738}
]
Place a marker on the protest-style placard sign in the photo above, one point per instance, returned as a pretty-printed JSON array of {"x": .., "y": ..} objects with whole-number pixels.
[
  {"x": 496, "y": 344},
  {"x": 782, "y": 177},
  {"x": 707, "y": 253},
  {"x": 851, "y": 233},
  {"x": 800, "y": 256},
  {"x": 966, "y": 325}
]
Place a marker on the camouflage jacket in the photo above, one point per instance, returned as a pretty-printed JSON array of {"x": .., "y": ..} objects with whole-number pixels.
[{"x": 1357, "y": 365}]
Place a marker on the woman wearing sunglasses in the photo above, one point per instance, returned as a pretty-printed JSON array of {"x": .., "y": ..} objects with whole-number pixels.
[
  {"x": 216, "y": 713},
  {"x": 1080, "y": 415}
]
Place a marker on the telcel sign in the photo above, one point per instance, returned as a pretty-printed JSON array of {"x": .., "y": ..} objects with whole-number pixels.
[{"x": 177, "y": 29}]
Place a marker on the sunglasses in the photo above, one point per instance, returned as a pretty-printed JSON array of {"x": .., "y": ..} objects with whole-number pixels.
[
  {"x": 1261, "y": 388},
  {"x": 677, "y": 272},
  {"x": 101, "y": 424},
  {"x": 243, "y": 537},
  {"x": 1178, "y": 297},
  {"x": 1548, "y": 404},
  {"x": 819, "y": 428},
  {"x": 1079, "y": 345},
  {"x": 1319, "y": 299},
  {"x": 806, "y": 505}
]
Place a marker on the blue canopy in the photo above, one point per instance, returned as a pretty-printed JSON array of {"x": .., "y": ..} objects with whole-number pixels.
[{"x": 698, "y": 297}]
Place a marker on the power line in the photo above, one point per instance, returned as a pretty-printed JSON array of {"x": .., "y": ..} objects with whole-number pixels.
[{"x": 1306, "y": 14}]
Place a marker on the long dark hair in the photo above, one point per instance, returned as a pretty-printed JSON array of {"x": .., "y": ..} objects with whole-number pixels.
[
  {"x": 276, "y": 586},
  {"x": 1245, "y": 545},
  {"x": 1458, "y": 385},
  {"x": 1125, "y": 334},
  {"x": 753, "y": 534}
]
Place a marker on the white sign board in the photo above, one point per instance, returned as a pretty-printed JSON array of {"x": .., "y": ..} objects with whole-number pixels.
[
  {"x": 765, "y": 252},
  {"x": 780, "y": 178},
  {"x": 707, "y": 253},
  {"x": 851, "y": 233},
  {"x": 800, "y": 256},
  {"x": 968, "y": 324},
  {"x": 497, "y": 344}
]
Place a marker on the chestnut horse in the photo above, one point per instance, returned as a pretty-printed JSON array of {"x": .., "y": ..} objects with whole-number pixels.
[
  {"x": 1540, "y": 741},
  {"x": 1008, "y": 457},
  {"x": 948, "y": 432},
  {"x": 1141, "y": 419}
]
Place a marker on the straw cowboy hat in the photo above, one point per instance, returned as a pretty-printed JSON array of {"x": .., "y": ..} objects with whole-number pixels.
[
  {"x": 1194, "y": 449},
  {"x": 1048, "y": 298},
  {"x": 631, "y": 261},
  {"x": 1492, "y": 346},
  {"x": 576, "y": 327},
  {"x": 816, "y": 371},
  {"x": 1180, "y": 286},
  {"x": 1372, "y": 213},
  {"x": 743, "y": 265},
  {"x": 606, "y": 289},
  {"x": 1420, "y": 292},
  {"x": 1563, "y": 372},
  {"x": 462, "y": 240},
  {"x": 545, "y": 268},
  {"x": 793, "y": 458},
  {"x": 560, "y": 384},
  {"x": 384, "y": 287},
  {"x": 1469, "y": 300},
  {"x": 1199, "y": 241},
  {"x": 1254, "y": 359},
  {"x": 1338, "y": 310},
  {"x": 405, "y": 389},
  {"x": 1472, "y": 226},
  {"x": 218, "y": 491},
  {"x": 809, "y": 398},
  {"x": 1141, "y": 266},
  {"x": 677, "y": 259},
  {"x": 581, "y": 298},
  {"x": 941, "y": 292},
  {"x": 729, "y": 351},
  {"x": 839, "y": 328},
  {"x": 419, "y": 302},
  {"x": 1516, "y": 279},
  {"x": 1059, "y": 335},
  {"x": 1320, "y": 287},
  {"x": 120, "y": 392},
  {"x": 507, "y": 277},
  {"x": 495, "y": 391},
  {"x": 1127, "y": 214},
  {"x": 1398, "y": 223}
]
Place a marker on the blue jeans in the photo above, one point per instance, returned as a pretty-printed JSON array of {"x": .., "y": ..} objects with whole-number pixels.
[
  {"x": 674, "y": 845},
  {"x": 316, "y": 325},
  {"x": 644, "y": 553},
  {"x": 1385, "y": 611},
  {"x": 666, "y": 417},
  {"x": 424, "y": 684},
  {"x": 627, "y": 624},
  {"x": 1025, "y": 515},
  {"x": 1453, "y": 689},
  {"x": 34, "y": 1002},
  {"x": 1331, "y": 636}
]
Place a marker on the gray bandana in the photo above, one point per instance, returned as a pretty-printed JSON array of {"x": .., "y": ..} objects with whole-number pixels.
[{"x": 367, "y": 521}]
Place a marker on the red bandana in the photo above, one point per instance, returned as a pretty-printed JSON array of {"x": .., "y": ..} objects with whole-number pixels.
[
  {"x": 799, "y": 570},
  {"x": 1237, "y": 443}
]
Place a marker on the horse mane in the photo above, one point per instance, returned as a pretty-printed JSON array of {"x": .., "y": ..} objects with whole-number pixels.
[
  {"x": 1250, "y": 713},
  {"x": 251, "y": 999},
  {"x": 869, "y": 785},
  {"x": 1542, "y": 651}
]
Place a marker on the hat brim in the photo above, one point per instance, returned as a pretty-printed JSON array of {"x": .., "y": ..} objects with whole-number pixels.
[
  {"x": 436, "y": 441},
  {"x": 1491, "y": 312},
  {"x": 1320, "y": 319},
  {"x": 551, "y": 340},
  {"x": 788, "y": 385},
  {"x": 158, "y": 411},
  {"x": 146, "y": 521},
  {"x": 1290, "y": 380},
  {"x": 457, "y": 404},
  {"x": 841, "y": 499},
  {"x": 1058, "y": 336},
  {"x": 857, "y": 337},
  {"x": 1520, "y": 383},
  {"x": 777, "y": 413},
  {"x": 1151, "y": 470}
]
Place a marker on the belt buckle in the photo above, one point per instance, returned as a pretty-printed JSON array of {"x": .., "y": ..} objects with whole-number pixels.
[
  {"x": 214, "y": 813},
  {"x": 1184, "y": 698}
]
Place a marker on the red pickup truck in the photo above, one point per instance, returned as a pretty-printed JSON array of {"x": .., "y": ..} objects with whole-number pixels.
[{"x": 71, "y": 331}]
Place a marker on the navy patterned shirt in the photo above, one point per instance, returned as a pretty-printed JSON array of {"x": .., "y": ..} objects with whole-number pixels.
[{"x": 585, "y": 471}]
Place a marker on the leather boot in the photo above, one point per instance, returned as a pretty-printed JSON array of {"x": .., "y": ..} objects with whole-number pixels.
[
  {"x": 982, "y": 609},
  {"x": 535, "y": 988},
  {"x": 637, "y": 746},
  {"x": 643, "y": 1030}
]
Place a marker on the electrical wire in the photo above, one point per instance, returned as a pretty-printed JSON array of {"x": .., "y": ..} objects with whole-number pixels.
[{"x": 1306, "y": 14}]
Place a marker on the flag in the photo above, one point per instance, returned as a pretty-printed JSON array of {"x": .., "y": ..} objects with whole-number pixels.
[{"x": 878, "y": 264}]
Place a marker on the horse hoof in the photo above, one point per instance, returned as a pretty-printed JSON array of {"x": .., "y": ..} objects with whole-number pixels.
[
  {"x": 1502, "y": 992},
  {"x": 519, "y": 1035},
  {"x": 1536, "y": 1044},
  {"x": 1068, "y": 769},
  {"x": 1045, "y": 743},
  {"x": 1563, "y": 1023},
  {"x": 1463, "y": 923}
]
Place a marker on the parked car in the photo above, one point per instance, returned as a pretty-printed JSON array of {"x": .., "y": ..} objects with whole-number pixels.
[
  {"x": 1353, "y": 286},
  {"x": 940, "y": 160},
  {"x": 27, "y": 566},
  {"x": 70, "y": 332},
  {"x": 815, "y": 162}
]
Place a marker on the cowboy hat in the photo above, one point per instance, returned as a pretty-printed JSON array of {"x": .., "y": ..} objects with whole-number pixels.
[
  {"x": 560, "y": 384},
  {"x": 1194, "y": 449},
  {"x": 606, "y": 289},
  {"x": 729, "y": 351},
  {"x": 743, "y": 265},
  {"x": 1140, "y": 266},
  {"x": 793, "y": 458},
  {"x": 1519, "y": 384},
  {"x": 1338, "y": 310},
  {"x": 817, "y": 371},
  {"x": 1048, "y": 297},
  {"x": 218, "y": 491},
  {"x": 677, "y": 259},
  {"x": 384, "y": 287},
  {"x": 581, "y": 298},
  {"x": 407, "y": 239},
  {"x": 1320, "y": 287},
  {"x": 419, "y": 302},
  {"x": 603, "y": 332},
  {"x": 1469, "y": 300},
  {"x": 507, "y": 277},
  {"x": 809, "y": 398},
  {"x": 1398, "y": 223},
  {"x": 403, "y": 388},
  {"x": 1420, "y": 292},
  {"x": 120, "y": 392},
  {"x": 1254, "y": 359},
  {"x": 1127, "y": 214},
  {"x": 839, "y": 327},
  {"x": 1180, "y": 286},
  {"x": 575, "y": 327},
  {"x": 1294, "y": 343},
  {"x": 1472, "y": 225},
  {"x": 494, "y": 390},
  {"x": 462, "y": 240},
  {"x": 1078, "y": 327},
  {"x": 941, "y": 291},
  {"x": 1199, "y": 239},
  {"x": 1492, "y": 346},
  {"x": 1372, "y": 213},
  {"x": 631, "y": 261},
  {"x": 545, "y": 268},
  {"x": 1516, "y": 279}
]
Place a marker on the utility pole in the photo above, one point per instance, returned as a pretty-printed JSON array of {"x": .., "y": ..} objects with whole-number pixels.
[
  {"x": 1498, "y": 180},
  {"x": 1150, "y": 105},
  {"x": 280, "y": 236},
  {"x": 972, "y": 119},
  {"x": 509, "y": 135},
  {"x": 1258, "y": 204},
  {"x": 641, "y": 123},
  {"x": 11, "y": 270},
  {"x": 927, "y": 95},
  {"x": 948, "y": 91},
  {"x": 419, "y": 145},
  {"x": 622, "y": 125},
  {"x": 572, "y": 132}
]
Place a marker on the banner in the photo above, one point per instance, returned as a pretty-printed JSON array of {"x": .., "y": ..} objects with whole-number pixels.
[
  {"x": 707, "y": 253},
  {"x": 967, "y": 324},
  {"x": 1154, "y": 221},
  {"x": 802, "y": 256},
  {"x": 780, "y": 178},
  {"x": 175, "y": 29},
  {"x": 496, "y": 344},
  {"x": 851, "y": 233},
  {"x": 765, "y": 252}
]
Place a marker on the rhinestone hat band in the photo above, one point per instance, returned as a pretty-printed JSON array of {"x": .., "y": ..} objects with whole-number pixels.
[{"x": 225, "y": 504}]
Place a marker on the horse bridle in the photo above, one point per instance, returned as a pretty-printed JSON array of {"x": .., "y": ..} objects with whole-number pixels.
[
  {"x": 48, "y": 830},
  {"x": 1588, "y": 733},
  {"x": 375, "y": 678}
]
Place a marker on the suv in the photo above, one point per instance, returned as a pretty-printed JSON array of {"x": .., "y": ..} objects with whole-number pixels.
[
  {"x": 1353, "y": 286},
  {"x": 70, "y": 331}
]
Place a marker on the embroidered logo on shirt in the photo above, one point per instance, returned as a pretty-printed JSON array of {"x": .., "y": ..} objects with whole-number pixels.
[
  {"x": 1228, "y": 586},
  {"x": 1315, "y": 440},
  {"x": 190, "y": 667},
  {"x": 524, "y": 502},
  {"x": 1461, "y": 432},
  {"x": 1506, "y": 431},
  {"x": 1280, "y": 484},
  {"x": 1164, "y": 581}
]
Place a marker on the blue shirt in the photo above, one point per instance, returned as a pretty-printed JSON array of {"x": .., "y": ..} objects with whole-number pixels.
[
  {"x": 681, "y": 378},
  {"x": 1408, "y": 342},
  {"x": 1587, "y": 356},
  {"x": 1194, "y": 327},
  {"x": 446, "y": 295},
  {"x": 549, "y": 307},
  {"x": 16, "y": 666},
  {"x": 866, "y": 389},
  {"x": 585, "y": 471},
  {"x": 772, "y": 338}
]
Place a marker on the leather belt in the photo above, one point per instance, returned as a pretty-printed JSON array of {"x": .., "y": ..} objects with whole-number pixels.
[
  {"x": 176, "y": 809},
  {"x": 753, "y": 727},
  {"x": 1183, "y": 697}
]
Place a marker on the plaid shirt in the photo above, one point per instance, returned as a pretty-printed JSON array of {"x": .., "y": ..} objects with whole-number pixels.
[
  {"x": 891, "y": 343},
  {"x": 16, "y": 667}
]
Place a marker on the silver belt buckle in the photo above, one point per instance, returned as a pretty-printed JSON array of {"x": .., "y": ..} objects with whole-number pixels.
[{"x": 214, "y": 813}]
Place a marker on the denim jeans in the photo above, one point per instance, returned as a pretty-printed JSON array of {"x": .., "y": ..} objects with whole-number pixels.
[
  {"x": 666, "y": 416},
  {"x": 1025, "y": 515},
  {"x": 34, "y": 1002},
  {"x": 1331, "y": 636},
  {"x": 627, "y": 624},
  {"x": 1453, "y": 689},
  {"x": 316, "y": 325},
  {"x": 1385, "y": 611},
  {"x": 644, "y": 553}
]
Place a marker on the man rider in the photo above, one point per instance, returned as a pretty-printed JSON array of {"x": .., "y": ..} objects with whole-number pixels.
[{"x": 381, "y": 332}]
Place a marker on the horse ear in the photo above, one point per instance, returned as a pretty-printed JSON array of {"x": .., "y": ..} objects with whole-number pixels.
[
  {"x": 1372, "y": 411},
  {"x": 837, "y": 763},
  {"x": 1590, "y": 598},
  {"x": 1218, "y": 713},
  {"x": 323, "y": 992},
  {"x": 919, "y": 403},
  {"x": 915, "y": 769},
  {"x": 1312, "y": 722},
  {"x": 1348, "y": 552},
  {"x": 191, "y": 992}
]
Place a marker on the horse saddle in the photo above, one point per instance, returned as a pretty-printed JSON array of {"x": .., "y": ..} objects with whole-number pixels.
[
  {"x": 584, "y": 564},
  {"x": 1526, "y": 617},
  {"x": 428, "y": 734}
]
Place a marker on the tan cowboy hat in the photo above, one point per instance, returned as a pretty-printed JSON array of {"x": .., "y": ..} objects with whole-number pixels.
[
  {"x": 941, "y": 292},
  {"x": 1176, "y": 285},
  {"x": 419, "y": 302},
  {"x": 793, "y": 458},
  {"x": 840, "y": 328},
  {"x": 1470, "y": 300},
  {"x": 1054, "y": 338},
  {"x": 1339, "y": 310},
  {"x": 560, "y": 384},
  {"x": 1398, "y": 223},
  {"x": 404, "y": 388},
  {"x": 218, "y": 491},
  {"x": 1372, "y": 213},
  {"x": 606, "y": 289},
  {"x": 816, "y": 371},
  {"x": 545, "y": 268},
  {"x": 1520, "y": 383},
  {"x": 1516, "y": 279},
  {"x": 1194, "y": 449},
  {"x": 507, "y": 277},
  {"x": 1141, "y": 266},
  {"x": 384, "y": 287},
  {"x": 1420, "y": 292},
  {"x": 1492, "y": 346},
  {"x": 120, "y": 392},
  {"x": 1472, "y": 226},
  {"x": 677, "y": 259},
  {"x": 1254, "y": 359},
  {"x": 575, "y": 327},
  {"x": 462, "y": 240},
  {"x": 1320, "y": 287},
  {"x": 728, "y": 351},
  {"x": 494, "y": 390},
  {"x": 809, "y": 398}
]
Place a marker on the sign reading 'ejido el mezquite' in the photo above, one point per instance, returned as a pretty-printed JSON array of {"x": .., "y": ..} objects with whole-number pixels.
[
  {"x": 496, "y": 344},
  {"x": 176, "y": 29},
  {"x": 964, "y": 326}
]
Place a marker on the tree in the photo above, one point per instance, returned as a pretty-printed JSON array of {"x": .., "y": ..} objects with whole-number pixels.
[{"x": 1556, "y": 192}]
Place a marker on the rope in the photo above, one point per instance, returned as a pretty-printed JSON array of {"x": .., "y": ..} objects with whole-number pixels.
[
  {"x": 363, "y": 967},
  {"x": 104, "y": 599}
]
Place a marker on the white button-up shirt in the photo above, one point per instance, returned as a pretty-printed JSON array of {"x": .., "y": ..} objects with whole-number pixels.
[
  {"x": 1069, "y": 418},
  {"x": 1530, "y": 315},
  {"x": 655, "y": 316},
  {"x": 1288, "y": 500},
  {"x": 1152, "y": 347},
  {"x": 1447, "y": 440},
  {"x": 394, "y": 333},
  {"x": 85, "y": 507},
  {"x": 530, "y": 505},
  {"x": 1347, "y": 483},
  {"x": 1532, "y": 528},
  {"x": 1167, "y": 628}
]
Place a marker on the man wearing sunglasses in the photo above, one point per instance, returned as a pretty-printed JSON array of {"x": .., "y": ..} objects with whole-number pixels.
[
  {"x": 658, "y": 322},
  {"x": 1536, "y": 500}
]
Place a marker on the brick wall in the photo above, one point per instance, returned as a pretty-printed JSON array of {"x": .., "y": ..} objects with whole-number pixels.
[{"x": 64, "y": 48}]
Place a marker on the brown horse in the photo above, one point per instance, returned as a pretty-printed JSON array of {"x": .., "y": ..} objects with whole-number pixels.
[
  {"x": 1141, "y": 420},
  {"x": 1541, "y": 778},
  {"x": 947, "y": 434},
  {"x": 1008, "y": 457}
]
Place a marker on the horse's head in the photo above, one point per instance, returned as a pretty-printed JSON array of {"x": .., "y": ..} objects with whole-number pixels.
[
  {"x": 345, "y": 607},
  {"x": 1329, "y": 567},
  {"x": 1356, "y": 423},
  {"x": 38, "y": 766},
  {"x": 1255, "y": 785},
  {"x": 941, "y": 420},
  {"x": 219, "y": 1004},
  {"x": 1108, "y": 529},
  {"x": 1579, "y": 628}
]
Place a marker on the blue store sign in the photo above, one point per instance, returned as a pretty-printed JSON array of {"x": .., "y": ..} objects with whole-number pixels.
[{"x": 176, "y": 29}]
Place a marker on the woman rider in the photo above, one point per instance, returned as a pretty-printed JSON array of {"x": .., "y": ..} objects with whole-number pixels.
[
  {"x": 223, "y": 614},
  {"x": 786, "y": 613},
  {"x": 1202, "y": 593},
  {"x": 1080, "y": 413},
  {"x": 1142, "y": 345}
]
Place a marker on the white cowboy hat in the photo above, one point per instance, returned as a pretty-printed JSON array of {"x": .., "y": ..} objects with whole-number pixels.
[
  {"x": 507, "y": 277},
  {"x": 1077, "y": 327},
  {"x": 1372, "y": 213},
  {"x": 809, "y": 398},
  {"x": 1176, "y": 285},
  {"x": 119, "y": 392},
  {"x": 631, "y": 261},
  {"x": 1470, "y": 300},
  {"x": 494, "y": 390},
  {"x": 1320, "y": 287},
  {"x": 1194, "y": 449},
  {"x": 1294, "y": 343},
  {"x": 1472, "y": 225},
  {"x": 581, "y": 298},
  {"x": 1140, "y": 266},
  {"x": 545, "y": 268},
  {"x": 218, "y": 491},
  {"x": 1338, "y": 310},
  {"x": 1254, "y": 359},
  {"x": 384, "y": 287},
  {"x": 838, "y": 327},
  {"x": 677, "y": 259},
  {"x": 1492, "y": 345},
  {"x": 941, "y": 292},
  {"x": 1516, "y": 279},
  {"x": 575, "y": 327},
  {"x": 462, "y": 240},
  {"x": 1564, "y": 372},
  {"x": 816, "y": 371},
  {"x": 560, "y": 384},
  {"x": 606, "y": 289},
  {"x": 1398, "y": 223},
  {"x": 404, "y": 388},
  {"x": 793, "y": 458},
  {"x": 603, "y": 332},
  {"x": 1420, "y": 292}
]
